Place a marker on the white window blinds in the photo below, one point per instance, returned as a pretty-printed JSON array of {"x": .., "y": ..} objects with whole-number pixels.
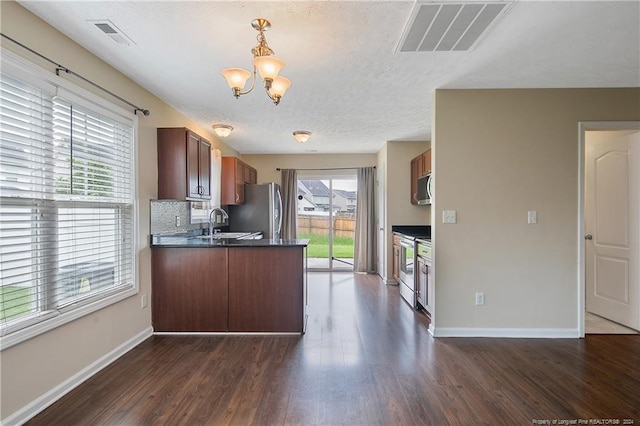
[{"x": 66, "y": 203}]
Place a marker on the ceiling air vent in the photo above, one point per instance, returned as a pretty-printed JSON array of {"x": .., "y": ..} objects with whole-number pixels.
[
  {"x": 435, "y": 27},
  {"x": 108, "y": 28}
]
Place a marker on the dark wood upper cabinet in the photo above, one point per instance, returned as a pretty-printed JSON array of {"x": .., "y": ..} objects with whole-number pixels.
[
  {"x": 420, "y": 166},
  {"x": 235, "y": 174},
  {"x": 414, "y": 180},
  {"x": 184, "y": 165},
  {"x": 426, "y": 162}
]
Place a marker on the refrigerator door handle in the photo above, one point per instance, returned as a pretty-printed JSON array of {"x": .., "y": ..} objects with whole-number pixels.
[{"x": 281, "y": 214}]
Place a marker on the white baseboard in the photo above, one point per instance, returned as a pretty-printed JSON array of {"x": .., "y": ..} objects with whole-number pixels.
[
  {"x": 33, "y": 408},
  {"x": 524, "y": 333}
]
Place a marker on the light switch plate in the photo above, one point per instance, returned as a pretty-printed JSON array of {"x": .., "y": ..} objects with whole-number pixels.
[
  {"x": 532, "y": 216},
  {"x": 449, "y": 216}
]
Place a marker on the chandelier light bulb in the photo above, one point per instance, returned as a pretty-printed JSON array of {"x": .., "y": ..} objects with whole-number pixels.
[
  {"x": 278, "y": 87},
  {"x": 268, "y": 66},
  {"x": 236, "y": 78}
]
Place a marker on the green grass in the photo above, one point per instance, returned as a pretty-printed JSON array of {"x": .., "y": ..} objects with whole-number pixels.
[
  {"x": 14, "y": 302},
  {"x": 319, "y": 246}
]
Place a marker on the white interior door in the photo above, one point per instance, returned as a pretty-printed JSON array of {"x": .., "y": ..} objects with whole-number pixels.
[{"x": 612, "y": 212}]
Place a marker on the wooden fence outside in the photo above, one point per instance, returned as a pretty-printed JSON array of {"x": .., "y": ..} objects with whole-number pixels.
[{"x": 319, "y": 225}]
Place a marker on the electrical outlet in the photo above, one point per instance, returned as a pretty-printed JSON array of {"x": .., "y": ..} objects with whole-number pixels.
[
  {"x": 143, "y": 301},
  {"x": 532, "y": 216},
  {"x": 177, "y": 220},
  {"x": 449, "y": 216},
  {"x": 479, "y": 299}
]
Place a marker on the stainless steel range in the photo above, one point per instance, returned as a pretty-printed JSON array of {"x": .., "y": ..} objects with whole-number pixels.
[
  {"x": 407, "y": 261},
  {"x": 405, "y": 237}
]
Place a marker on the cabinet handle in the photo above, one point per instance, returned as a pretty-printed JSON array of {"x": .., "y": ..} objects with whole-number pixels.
[{"x": 237, "y": 197}]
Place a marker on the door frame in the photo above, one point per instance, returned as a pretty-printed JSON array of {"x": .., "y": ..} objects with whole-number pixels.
[
  {"x": 583, "y": 127},
  {"x": 331, "y": 175}
]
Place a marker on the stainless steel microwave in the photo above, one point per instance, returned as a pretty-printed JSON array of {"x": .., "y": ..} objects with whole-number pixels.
[{"x": 425, "y": 189}]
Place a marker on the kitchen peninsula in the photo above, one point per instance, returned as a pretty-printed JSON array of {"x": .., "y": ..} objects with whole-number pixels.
[{"x": 201, "y": 284}]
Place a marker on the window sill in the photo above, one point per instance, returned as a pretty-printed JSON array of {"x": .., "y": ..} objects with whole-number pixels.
[{"x": 42, "y": 327}]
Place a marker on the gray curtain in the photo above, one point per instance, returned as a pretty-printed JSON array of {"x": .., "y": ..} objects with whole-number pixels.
[
  {"x": 365, "y": 246},
  {"x": 289, "y": 179}
]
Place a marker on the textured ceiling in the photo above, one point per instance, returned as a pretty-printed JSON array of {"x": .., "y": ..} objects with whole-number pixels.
[{"x": 350, "y": 87}]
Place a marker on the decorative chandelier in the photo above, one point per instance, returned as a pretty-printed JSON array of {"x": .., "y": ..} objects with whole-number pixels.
[{"x": 263, "y": 62}]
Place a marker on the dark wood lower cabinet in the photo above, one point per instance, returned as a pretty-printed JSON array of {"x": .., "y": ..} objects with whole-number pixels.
[
  {"x": 189, "y": 289},
  {"x": 266, "y": 289},
  {"x": 236, "y": 289}
]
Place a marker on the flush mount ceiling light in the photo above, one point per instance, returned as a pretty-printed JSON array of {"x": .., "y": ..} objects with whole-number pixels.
[
  {"x": 301, "y": 135},
  {"x": 222, "y": 130},
  {"x": 268, "y": 66}
]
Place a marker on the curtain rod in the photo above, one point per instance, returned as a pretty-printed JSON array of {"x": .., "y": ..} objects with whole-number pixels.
[
  {"x": 68, "y": 71},
  {"x": 329, "y": 168}
]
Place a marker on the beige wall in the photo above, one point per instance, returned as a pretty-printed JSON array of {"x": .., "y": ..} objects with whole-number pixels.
[
  {"x": 498, "y": 154},
  {"x": 396, "y": 158},
  {"x": 36, "y": 366}
]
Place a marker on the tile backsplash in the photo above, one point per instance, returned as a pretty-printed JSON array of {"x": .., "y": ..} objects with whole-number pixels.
[{"x": 171, "y": 216}]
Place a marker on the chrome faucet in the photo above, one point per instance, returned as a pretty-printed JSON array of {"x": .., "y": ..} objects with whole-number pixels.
[{"x": 225, "y": 217}]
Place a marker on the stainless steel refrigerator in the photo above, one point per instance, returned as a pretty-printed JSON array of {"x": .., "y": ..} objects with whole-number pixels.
[{"x": 261, "y": 211}]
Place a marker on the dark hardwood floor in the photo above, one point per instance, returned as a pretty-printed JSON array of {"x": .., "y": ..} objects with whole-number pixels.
[{"x": 366, "y": 359}]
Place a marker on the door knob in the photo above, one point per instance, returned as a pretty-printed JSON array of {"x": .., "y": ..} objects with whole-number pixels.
[{"x": 588, "y": 237}]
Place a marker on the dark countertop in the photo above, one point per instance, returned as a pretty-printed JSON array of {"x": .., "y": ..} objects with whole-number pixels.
[
  {"x": 193, "y": 241},
  {"x": 415, "y": 231},
  {"x": 426, "y": 241}
]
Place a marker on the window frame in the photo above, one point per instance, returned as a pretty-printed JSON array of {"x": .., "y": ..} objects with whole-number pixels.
[{"x": 42, "y": 322}]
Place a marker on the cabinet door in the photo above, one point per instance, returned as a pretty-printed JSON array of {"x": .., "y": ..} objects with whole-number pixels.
[
  {"x": 239, "y": 191},
  {"x": 414, "y": 180},
  {"x": 193, "y": 164},
  {"x": 246, "y": 174},
  {"x": 430, "y": 298},
  {"x": 190, "y": 289},
  {"x": 426, "y": 162},
  {"x": 172, "y": 163},
  {"x": 396, "y": 263},
  {"x": 235, "y": 174},
  {"x": 421, "y": 277},
  {"x": 230, "y": 190},
  {"x": 269, "y": 295},
  {"x": 204, "y": 168}
]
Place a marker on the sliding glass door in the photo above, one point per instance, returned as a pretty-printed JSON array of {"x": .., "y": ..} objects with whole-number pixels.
[{"x": 327, "y": 217}]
